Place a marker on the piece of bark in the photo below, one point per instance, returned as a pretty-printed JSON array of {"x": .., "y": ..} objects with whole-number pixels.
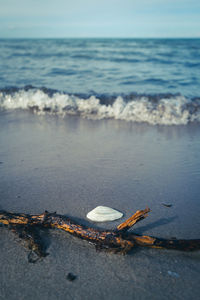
[
  {"x": 118, "y": 241},
  {"x": 138, "y": 216}
]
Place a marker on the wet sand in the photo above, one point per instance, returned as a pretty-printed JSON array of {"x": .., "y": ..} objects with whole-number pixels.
[{"x": 71, "y": 165}]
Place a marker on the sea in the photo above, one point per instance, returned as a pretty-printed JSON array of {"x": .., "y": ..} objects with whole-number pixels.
[{"x": 153, "y": 81}]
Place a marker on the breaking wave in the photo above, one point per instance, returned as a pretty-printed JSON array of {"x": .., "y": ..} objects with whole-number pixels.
[{"x": 157, "y": 109}]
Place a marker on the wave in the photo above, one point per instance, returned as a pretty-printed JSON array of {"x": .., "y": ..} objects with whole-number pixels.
[{"x": 152, "y": 109}]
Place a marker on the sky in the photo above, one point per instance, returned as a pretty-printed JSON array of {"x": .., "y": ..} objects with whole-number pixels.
[{"x": 99, "y": 18}]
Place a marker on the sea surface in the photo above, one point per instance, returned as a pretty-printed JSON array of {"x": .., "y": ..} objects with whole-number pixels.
[{"x": 156, "y": 81}]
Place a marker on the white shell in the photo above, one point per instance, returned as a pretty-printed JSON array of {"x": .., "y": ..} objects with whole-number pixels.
[{"x": 104, "y": 213}]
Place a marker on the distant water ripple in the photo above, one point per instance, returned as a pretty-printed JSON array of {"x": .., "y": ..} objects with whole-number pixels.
[
  {"x": 142, "y": 80},
  {"x": 102, "y": 65}
]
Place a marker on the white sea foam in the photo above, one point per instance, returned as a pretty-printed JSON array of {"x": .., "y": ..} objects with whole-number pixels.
[{"x": 173, "y": 110}]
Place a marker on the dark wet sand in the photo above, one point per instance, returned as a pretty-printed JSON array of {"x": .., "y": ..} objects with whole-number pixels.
[{"x": 72, "y": 165}]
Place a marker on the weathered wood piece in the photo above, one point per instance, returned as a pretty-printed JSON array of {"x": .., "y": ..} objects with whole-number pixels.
[{"x": 119, "y": 241}]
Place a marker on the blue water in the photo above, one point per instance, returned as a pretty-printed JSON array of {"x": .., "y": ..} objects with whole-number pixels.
[{"x": 105, "y": 69}]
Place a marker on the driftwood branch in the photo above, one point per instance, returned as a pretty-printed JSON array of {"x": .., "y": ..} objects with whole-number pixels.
[{"x": 27, "y": 227}]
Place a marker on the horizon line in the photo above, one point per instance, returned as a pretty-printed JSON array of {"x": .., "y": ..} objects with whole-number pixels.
[{"x": 102, "y": 37}]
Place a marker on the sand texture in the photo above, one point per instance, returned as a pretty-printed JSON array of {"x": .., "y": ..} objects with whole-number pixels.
[{"x": 72, "y": 165}]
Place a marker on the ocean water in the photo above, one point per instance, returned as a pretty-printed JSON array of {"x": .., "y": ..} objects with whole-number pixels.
[{"x": 156, "y": 81}]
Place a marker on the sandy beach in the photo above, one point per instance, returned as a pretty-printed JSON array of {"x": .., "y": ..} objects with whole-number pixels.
[{"x": 71, "y": 165}]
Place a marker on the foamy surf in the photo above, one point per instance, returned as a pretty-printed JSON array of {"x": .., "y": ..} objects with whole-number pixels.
[{"x": 164, "y": 110}]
